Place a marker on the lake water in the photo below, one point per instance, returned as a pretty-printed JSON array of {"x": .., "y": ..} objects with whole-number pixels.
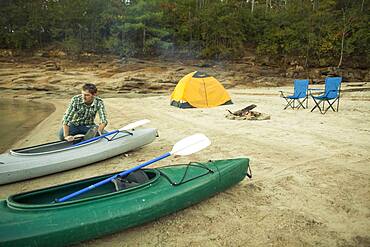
[{"x": 18, "y": 118}]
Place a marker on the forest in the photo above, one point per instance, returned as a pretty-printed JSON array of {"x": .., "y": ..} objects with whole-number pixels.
[{"x": 312, "y": 32}]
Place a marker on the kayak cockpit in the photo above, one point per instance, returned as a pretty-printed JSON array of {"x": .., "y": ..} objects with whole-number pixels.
[
  {"x": 58, "y": 146},
  {"x": 47, "y": 148},
  {"x": 46, "y": 198}
]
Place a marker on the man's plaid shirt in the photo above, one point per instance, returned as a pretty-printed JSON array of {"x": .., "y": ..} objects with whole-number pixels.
[{"x": 79, "y": 113}]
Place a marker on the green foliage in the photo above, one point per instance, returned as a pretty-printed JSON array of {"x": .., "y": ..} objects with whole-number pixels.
[
  {"x": 316, "y": 32},
  {"x": 73, "y": 46}
]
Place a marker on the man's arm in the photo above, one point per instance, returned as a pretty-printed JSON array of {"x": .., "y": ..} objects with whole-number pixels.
[
  {"x": 65, "y": 130},
  {"x": 101, "y": 128},
  {"x": 103, "y": 117},
  {"x": 68, "y": 115},
  {"x": 67, "y": 137}
]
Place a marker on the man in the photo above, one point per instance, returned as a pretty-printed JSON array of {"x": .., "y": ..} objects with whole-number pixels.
[{"x": 81, "y": 112}]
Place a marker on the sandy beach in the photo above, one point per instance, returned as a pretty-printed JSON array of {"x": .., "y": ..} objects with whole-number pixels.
[{"x": 311, "y": 175}]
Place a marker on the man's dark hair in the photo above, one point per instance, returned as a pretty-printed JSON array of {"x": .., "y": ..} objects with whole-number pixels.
[{"x": 90, "y": 87}]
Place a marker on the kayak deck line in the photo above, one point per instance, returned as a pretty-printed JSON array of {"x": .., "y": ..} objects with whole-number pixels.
[{"x": 182, "y": 180}]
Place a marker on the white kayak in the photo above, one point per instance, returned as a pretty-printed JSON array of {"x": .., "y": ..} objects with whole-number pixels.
[{"x": 25, "y": 163}]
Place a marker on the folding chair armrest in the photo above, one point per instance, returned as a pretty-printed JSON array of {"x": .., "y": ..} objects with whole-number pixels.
[
  {"x": 282, "y": 93},
  {"x": 333, "y": 90},
  {"x": 316, "y": 90}
]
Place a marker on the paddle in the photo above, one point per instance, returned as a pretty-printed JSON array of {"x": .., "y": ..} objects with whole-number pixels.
[
  {"x": 127, "y": 127},
  {"x": 186, "y": 146}
]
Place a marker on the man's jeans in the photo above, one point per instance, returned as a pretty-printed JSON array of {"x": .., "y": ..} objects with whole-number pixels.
[{"x": 74, "y": 130}]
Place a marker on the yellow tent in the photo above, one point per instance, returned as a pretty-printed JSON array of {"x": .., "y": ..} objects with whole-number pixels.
[{"x": 200, "y": 90}]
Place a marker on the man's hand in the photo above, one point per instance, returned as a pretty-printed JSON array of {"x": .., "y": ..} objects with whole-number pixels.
[
  {"x": 78, "y": 136},
  {"x": 69, "y": 138},
  {"x": 101, "y": 128}
]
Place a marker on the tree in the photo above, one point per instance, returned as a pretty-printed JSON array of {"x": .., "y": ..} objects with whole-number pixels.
[{"x": 313, "y": 32}]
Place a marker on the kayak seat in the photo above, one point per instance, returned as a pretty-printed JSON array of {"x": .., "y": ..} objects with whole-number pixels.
[{"x": 133, "y": 179}]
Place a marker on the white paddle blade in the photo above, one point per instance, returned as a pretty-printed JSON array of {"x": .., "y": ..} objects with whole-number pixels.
[
  {"x": 134, "y": 125},
  {"x": 190, "y": 144}
]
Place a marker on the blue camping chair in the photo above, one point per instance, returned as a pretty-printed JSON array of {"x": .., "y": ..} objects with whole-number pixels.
[
  {"x": 330, "y": 95},
  {"x": 300, "y": 95}
]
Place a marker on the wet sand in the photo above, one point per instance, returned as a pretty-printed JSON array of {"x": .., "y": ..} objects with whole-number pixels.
[
  {"x": 19, "y": 117},
  {"x": 311, "y": 184}
]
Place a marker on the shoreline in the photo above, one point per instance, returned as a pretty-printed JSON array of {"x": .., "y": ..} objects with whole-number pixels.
[
  {"x": 24, "y": 123},
  {"x": 37, "y": 135}
]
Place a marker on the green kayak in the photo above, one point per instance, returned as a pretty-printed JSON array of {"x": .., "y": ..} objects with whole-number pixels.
[{"x": 35, "y": 219}]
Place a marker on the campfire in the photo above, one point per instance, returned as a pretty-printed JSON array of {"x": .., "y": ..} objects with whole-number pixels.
[{"x": 247, "y": 114}]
